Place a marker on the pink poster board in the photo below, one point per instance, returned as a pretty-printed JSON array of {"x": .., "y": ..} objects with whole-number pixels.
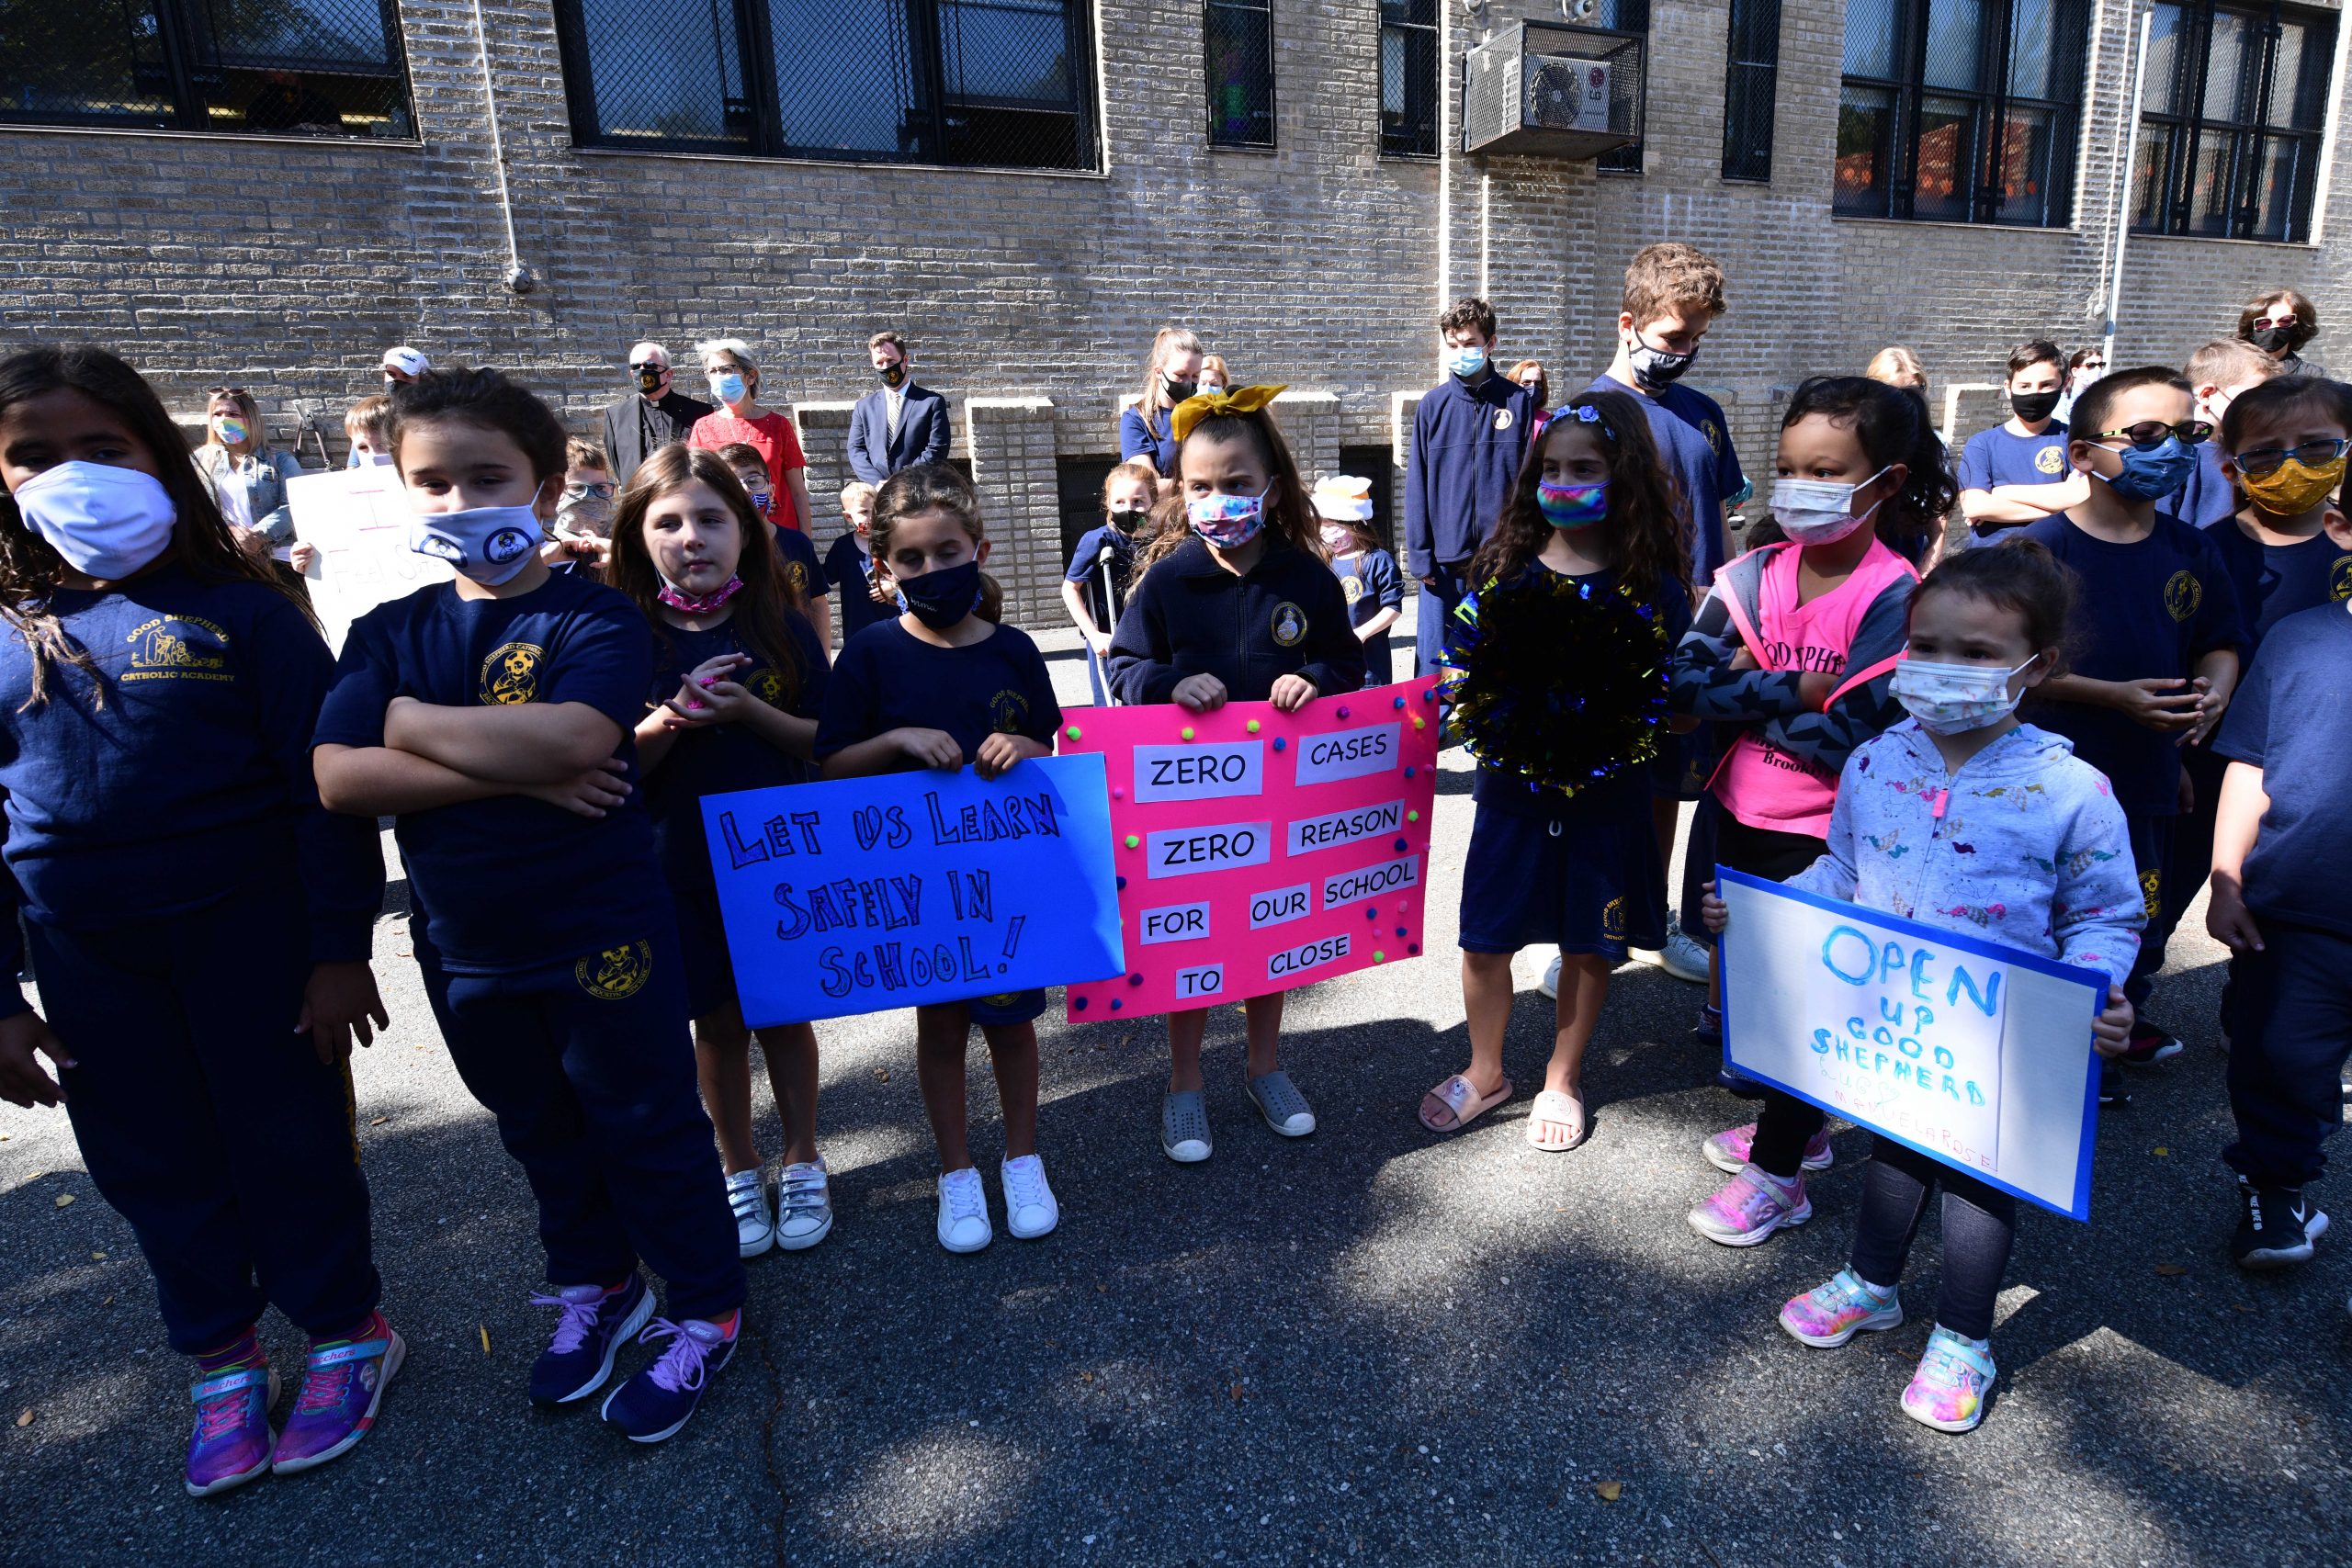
[{"x": 1257, "y": 851}]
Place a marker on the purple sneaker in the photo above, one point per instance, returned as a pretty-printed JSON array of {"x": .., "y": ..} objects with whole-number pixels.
[
  {"x": 658, "y": 1401},
  {"x": 342, "y": 1384},
  {"x": 594, "y": 1326},
  {"x": 1749, "y": 1208},
  {"x": 232, "y": 1441}
]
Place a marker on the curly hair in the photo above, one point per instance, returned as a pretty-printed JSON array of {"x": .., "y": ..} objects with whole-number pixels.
[
  {"x": 1644, "y": 528},
  {"x": 1891, "y": 426}
]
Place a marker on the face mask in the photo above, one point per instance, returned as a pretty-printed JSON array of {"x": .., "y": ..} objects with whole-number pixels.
[
  {"x": 729, "y": 387},
  {"x": 892, "y": 374},
  {"x": 1128, "y": 519},
  {"x": 652, "y": 381},
  {"x": 1817, "y": 512},
  {"x": 2270, "y": 340},
  {"x": 585, "y": 514},
  {"x": 1653, "y": 368},
  {"x": 1228, "y": 522},
  {"x": 1572, "y": 505},
  {"x": 489, "y": 543},
  {"x": 1465, "y": 362},
  {"x": 2292, "y": 488},
  {"x": 1211, "y": 389},
  {"x": 1338, "y": 538},
  {"x": 231, "y": 430},
  {"x": 678, "y": 599},
  {"x": 1951, "y": 699},
  {"x": 761, "y": 499},
  {"x": 941, "y": 599},
  {"x": 107, "y": 522},
  {"x": 2154, "y": 472},
  {"x": 1178, "y": 390},
  {"x": 2033, "y": 407}
]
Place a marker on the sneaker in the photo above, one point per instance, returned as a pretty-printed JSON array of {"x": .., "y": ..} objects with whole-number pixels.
[
  {"x": 804, "y": 1205},
  {"x": 1948, "y": 1391},
  {"x": 1828, "y": 1315},
  {"x": 2149, "y": 1045},
  {"x": 2112, "y": 1095},
  {"x": 1184, "y": 1126},
  {"x": 1279, "y": 1101},
  {"x": 343, "y": 1387},
  {"x": 2276, "y": 1227},
  {"x": 964, "y": 1212},
  {"x": 1030, "y": 1210},
  {"x": 1749, "y": 1208},
  {"x": 1550, "y": 984},
  {"x": 746, "y": 1194},
  {"x": 658, "y": 1401},
  {"x": 231, "y": 1442},
  {"x": 1684, "y": 957},
  {"x": 595, "y": 1325},
  {"x": 1728, "y": 1150}
]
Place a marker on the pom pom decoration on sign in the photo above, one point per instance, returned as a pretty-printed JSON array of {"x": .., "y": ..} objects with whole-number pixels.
[{"x": 1256, "y": 849}]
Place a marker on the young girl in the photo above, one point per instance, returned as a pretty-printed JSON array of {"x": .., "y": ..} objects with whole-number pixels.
[
  {"x": 1798, "y": 641},
  {"x": 943, "y": 685},
  {"x": 1592, "y": 521},
  {"x": 492, "y": 715},
  {"x": 739, "y": 680},
  {"x": 796, "y": 553},
  {"x": 1172, "y": 375},
  {"x": 849, "y": 565},
  {"x": 1232, "y": 602},
  {"x": 200, "y": 925},
  {"x": 1094, "y": 588},
  {"x": 1961, "y": 817},
  {"x": 1368, "y": 576},
  {"x": 734, "y": 379}
]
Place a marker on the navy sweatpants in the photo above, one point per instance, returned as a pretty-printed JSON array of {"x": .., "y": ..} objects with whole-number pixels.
[
  {"x": 2151, "y": 856},
  {"x": 2288, "y": 1044},
  {"x": 589, "y": 1068},
  {"x": 207, "y": 1121},
  {"x": 1434, "y": 611}
]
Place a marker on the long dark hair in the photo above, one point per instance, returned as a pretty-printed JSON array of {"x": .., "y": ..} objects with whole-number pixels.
[
  {"x": 1291, "y": 518},
  {"x": 1644, "y": 526},
  {"x": 767, "y": 597},
  {"x": 31, "y": 570},
  {"x": 932, "y": 487},
  {"x": 1891, "y": 426}
]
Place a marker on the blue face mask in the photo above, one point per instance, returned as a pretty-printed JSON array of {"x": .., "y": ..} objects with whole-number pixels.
[
  {"x": 1465, "y": 362},
  {"x": 941, "y": 598},
  {"x": 2152, "y": 473},
  {"x": 489, "y": 543},
  {"x": 729, "y": 387}
]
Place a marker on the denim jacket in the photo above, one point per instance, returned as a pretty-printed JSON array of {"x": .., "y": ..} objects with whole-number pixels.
[{"x": 262, "y": 476}]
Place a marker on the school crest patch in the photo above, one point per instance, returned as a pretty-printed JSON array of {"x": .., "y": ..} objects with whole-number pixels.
[
  {"x": 2183, "y": 594},
  {"x": 1502, "y": 419},
  {"x": 615, "y": 974},
  {"x": 2152, "y": 893},
  {"x": 511, "y": 674},
  {"x": 1713, "y": 432},
  {"x": 799, "y": 572},
  {"x": 177, "y": 647},
  {"x": 1287, "y": 625},
  {"x": 765, "y": 685},
  {"x": 2050, "y": 460},
  {"x": 1613, "y": 919},
  {"x": 1352, "y": 587},
  {"x": 1008, "y": 711},
  {"x": 2339, "y": 580}
]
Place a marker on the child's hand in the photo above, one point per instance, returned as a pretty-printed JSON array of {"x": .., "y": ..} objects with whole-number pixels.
[
  {"x": 929, "y": 749},
  {"x": 1201, "y": 694},
  {"x": 2162, "y": 703},
  {"x": 593, "y": 793},
  {"x": 1743, "y": 659},
  {"x": 998, "y": 753},
  {"x": 337, "y": 1003},
  {"x": 2227, "y": 919},
  {"x": 301, "y": 558},
  {"x": 1101, "y": 643},
  {"x": 1813, "y": 688},
  {"x": 2211, "y": 706},
  {"x": 2111, "y": 1030},
  {"x": 1713, "y": 913},
  {"x": 22, "y": 1081},
  {"x": 1291, "y": 693},
  {"x": 597, "y": 552}
]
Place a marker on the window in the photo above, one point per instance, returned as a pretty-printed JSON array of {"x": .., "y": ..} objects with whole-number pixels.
[
  {"x": 1239, "y": 40},
  {"x": 2229, "y": 133},
  {"x": 1625, "y": 17},
  {"x": 998, "y": 84},
  {"x": 1964, "y": 111},
  {"x": 1749, "y": 82},
  {"x": 284, "y": 68},
  {"x": 1408, "y": 75}
]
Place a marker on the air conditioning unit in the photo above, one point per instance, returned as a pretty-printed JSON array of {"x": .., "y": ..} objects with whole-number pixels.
[{"x": 1551, "y": 90}]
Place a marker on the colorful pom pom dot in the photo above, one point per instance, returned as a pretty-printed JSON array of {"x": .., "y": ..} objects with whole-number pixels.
[
  {"x": 1419, "y": 723},
  {"x": 1281, "y": 744},
  {"x": 1410, "y": 816},
  {"x": 1409, "y": 773},
  {"x": 1186, "y": 732},
  {"x": 1118, "y": 794},
  {"x": 1400, "y": 702},
  {"x": 1400, "y": 930},
  {"x": 1135, "y": 979},
  {"x": 1412, "y": 948},
  {"x": 1378, "y": 956},
  {"x": 1400, "y": 846},
  {"x": 1133, "y": 842},
  {"x": 1078, "y": 1002},
  {"x": 1073, "y": 732},
  {"x": 1343, "y": 710},
  {"x": 1252, "y": 727},
  {"x": 1114, "y": 1004},
  {"x": 1429, "y": 696},
  {"x": 1373, "y": 913},
  {"x": 1123, "y": 885}
]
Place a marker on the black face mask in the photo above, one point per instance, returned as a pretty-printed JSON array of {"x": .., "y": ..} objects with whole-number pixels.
[
  {"x": 892, "y": 374},
  {"x": 648, "y": 381},
  {"x": 2033, "y": 407},
  {"x": 2270, "y": 340},
  {"x": 1127, "y": 520},
  {"x": 941, "y": 599},
  {"x": 1178, "y": 391}
]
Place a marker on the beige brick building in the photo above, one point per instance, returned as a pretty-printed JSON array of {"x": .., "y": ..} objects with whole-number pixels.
[{"x": 1222, "y": 167}]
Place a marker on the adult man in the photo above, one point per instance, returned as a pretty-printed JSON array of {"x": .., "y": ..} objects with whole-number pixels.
[
  {"x": 898, "y": 425},
  {"x": 403, "y": 365},
  {"x": 653, "y": 417}
]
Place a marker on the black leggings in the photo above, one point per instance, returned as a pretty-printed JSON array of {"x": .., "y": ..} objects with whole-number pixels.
[
  {"x": 1784, "y": 1128},
  {"x": 1980, "y": 1225}
]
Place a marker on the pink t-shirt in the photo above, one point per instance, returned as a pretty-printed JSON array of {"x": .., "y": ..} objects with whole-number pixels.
[{"x": 1762, "y": 783}]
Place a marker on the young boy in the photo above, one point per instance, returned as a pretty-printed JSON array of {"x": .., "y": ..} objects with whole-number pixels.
[
  {"x": 2217, "y": 374},
  {"x": 2017, "y": 472},
  {"x": 368, "y": 423},
  {"x": 580, "y": 534},
  {"x": 800, "y": 553},
  {"x": 492, "y": 715},
  {"x": 2282, "y": 847},
  {"x": 849, "y": 565},
  {"x": 2156, "y": 635}
]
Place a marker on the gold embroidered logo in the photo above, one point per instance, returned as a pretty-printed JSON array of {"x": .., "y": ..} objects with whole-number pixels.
[
  {"x": 2152, "y": 893},
  {"x": 178, "y": 648},
  {"x": 1352, "y": 587},
  {"x": 511, "y": 674},
  {"x": 1008, "y": 711},
  {"x": 615, "y": 974},
  {"x": 1613, "y": 919},
  {"x": 2183, "y": 594},
  {"x": 2049, "y": 459},
  {"x": 2339, "y": 580},
  {"x": 1288, "y": 624}
]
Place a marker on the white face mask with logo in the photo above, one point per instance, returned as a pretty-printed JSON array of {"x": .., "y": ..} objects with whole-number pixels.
[
  {"x": 1818, "y": 511},
  {"x": 489, "y": 543},
  {"x": 1953, "y": 699},
  {"x": 108, "y": 522}
]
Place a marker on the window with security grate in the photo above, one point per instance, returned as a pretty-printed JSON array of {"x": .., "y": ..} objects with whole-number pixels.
[
  {"x": 2232, "y": 119},
  {"x": 1409, "y": 76},
  {"x": 1238, "y": 41},
  {"x": 1750, "y": 79}
]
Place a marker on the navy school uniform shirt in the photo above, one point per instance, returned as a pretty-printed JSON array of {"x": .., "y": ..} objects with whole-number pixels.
[
  {"x": 1467, "y": 443},
  {"x": 887, "y": 678},
  {"x": 178, "y": 772},
  {"x": 510, "y": 884},
  {"x": 1705, "y": 477},
  {"x": 799, "y": 554},
  {"x": 1370, "y": 582},
  {"x": 2292, "y": 718},
  {"x": 850, "y": 571},
  {"x": 1086, "y": 569},
  {"x": 2145, "y": 611},
  {"x": 1997, "y": 456},
  {"x": 1188, "y": 615},
  {"x": 1151, "y": 439},
  {"x": 2274, "y": 581},
  {"x": 1705, "y": 415}
]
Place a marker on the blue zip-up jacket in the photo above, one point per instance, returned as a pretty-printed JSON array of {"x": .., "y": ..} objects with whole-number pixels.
[{"x": 1467, "y": 444}]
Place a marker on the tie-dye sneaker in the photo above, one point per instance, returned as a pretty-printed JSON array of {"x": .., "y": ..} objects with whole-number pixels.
[
  {"x": 1828, "y": 1315},
  {"x": 232, "y": 1441},
  {"x": 342, "y": 1384},
  {"x": 1948, "y": 1391},
  {"x": 1749, "y": 1208},
  {"x": 1729, "y": 1150}
]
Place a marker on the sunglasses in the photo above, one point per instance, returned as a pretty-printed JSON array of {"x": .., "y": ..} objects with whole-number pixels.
[
  {"x": 2150, "y": 433},
  {"x": 224, "y": 391},
  {"x": 597, "y": 491},
  {"x": 2263, "y": 324},
  {"x": 2311, "y": 454},
  {"x": 648, "y": 365}
]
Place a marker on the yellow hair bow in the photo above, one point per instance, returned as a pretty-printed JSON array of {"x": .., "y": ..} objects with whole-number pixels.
[{"x": 1201, "y": 405}]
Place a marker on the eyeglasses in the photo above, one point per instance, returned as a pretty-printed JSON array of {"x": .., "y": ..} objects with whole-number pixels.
[
  {"x": 648, "y": 365},
  {"x": 2264, "y": 323},
  {"x": 597, "y": 491},
  {"x": 2311, "y": 454},
  {"x": 2149, "y": 433}
]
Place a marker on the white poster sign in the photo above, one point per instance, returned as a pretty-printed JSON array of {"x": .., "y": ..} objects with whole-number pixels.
[{"x": 357, "y": 521}]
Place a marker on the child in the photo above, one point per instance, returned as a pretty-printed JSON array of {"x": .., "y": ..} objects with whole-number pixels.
[
  {"x": 735, "y": 383},
  {"x": 368, "y": 423},
  {"x": 1095, "y": 587},
  {"x": 739, "y": 680},
  {"x": 1799, "y": 640},
  {"x": 1470, "y": 434},
  {"x": 1236, "y": 606},
  {"x": 2016, "y": 471},
  {"x": 1172, "y": 375},
  {"x": 1579, "y": 866},
  {"x": 1961, "y": 817},
  {"x": 849, "y": 565},
  {"x": 796, "y": 552},
  {"x": 200, "y": 924},
  {"x": 1368, "y": 576},
  {"x": 2218, "y": 374},
  {"x": 2156, "y": 639},
  {"x": 1215, "y": 377},
  {"x": 943, "y": 685},
  {"x": 581, "y": 529},
  {"x": 492, "y": 715}
]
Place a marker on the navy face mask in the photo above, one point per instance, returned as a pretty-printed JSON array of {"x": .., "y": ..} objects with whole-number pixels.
[
  {"x": 2150, "y": 473},
  {"x": 941, "y": 599}
]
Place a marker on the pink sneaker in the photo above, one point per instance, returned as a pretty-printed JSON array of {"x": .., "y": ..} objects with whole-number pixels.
[
  {"x": 343, "y": 1386},
  {"x": 1828, "y": 1315},
  {"x": 1948, "y": 1391},
  {"x": 1749, "y": 1208},
  {"x": 1729, "y": 1150},
  {"x": 232, "y": 1441}
]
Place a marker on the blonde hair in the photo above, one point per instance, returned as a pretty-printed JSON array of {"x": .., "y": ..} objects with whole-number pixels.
[
  {"x": 2228, "y": 362},
  {"x": 1169, "y": 343},
  {"x": 1892, "y": 364},
  {"x": 1215, "y": 362},
  {"x": 256, "y": 438},
  {"x": 858, "y": 490}
]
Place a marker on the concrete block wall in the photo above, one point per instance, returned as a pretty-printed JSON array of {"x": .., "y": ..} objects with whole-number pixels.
[{"x": 1011, "y": 444}]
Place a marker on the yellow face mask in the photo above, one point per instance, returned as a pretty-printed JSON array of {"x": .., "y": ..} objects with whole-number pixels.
[{"x": 2292, "y": 487}]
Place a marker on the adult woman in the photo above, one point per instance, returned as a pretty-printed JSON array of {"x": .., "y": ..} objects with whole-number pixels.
[
  {"x": 1215, "y": 377},
  {"x": 2279, "y": 323},
  {"x": 1172, "y": 375},
  {"x": 735, "y": 387},
  {"x": 246, "y": 475},
  {"x": 1529, "y": 373}
]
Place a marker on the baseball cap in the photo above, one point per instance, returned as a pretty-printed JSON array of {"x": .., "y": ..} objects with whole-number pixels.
[{"x": 406, "y": 360}]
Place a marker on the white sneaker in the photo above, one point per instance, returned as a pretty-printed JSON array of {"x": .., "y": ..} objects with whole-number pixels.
[
  {"x": 964, "y": 1212},
  {"x": 1683, "y": 957},
  {"x": 804, "y": 1206},
  {"x": 1030, "y": 1210},
  {"x": 746, "y": 1194},
  {"x": 1550, "y": 984}
]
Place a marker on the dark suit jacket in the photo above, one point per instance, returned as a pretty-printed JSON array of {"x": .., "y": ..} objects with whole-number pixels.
[
  {"x": 671, "y": 416},
  {"x": 923, "y": 433}
]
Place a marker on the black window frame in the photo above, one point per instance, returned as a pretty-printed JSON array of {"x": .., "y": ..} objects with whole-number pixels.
[
  {"x": 1751, "y": 83},
  {"x": 2182, "y": 129},
  {"x": 1266, "y": 113},
  {"x": 1414, "y": 133},
  {"x": 758, "y": 108},
  {"x": 1625, "y": 17},
  {"x": 1991, "y": 106}
]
